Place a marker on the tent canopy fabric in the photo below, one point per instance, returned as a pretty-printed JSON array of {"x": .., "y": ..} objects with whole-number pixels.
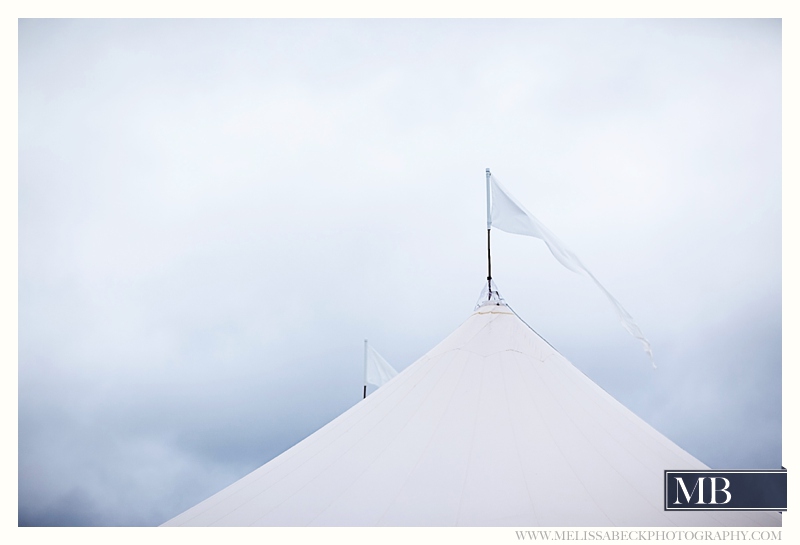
[{"x": 493, "y": 427}]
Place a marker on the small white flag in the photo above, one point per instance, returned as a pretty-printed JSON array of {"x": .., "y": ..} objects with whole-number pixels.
[
  {"x": 377, "y": 370},
  {"x": 510, "y": 216}
]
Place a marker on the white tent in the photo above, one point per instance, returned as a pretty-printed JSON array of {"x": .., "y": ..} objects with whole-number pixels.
[{"x": 493, "y": 427}]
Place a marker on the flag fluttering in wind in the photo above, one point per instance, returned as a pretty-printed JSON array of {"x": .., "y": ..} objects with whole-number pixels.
[
  {"x": 377, "y": 370},
  {"x": 509, "y": 215}
]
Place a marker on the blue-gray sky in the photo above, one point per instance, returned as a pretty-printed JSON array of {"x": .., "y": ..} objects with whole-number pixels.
[{"x": 213, "y": 215}]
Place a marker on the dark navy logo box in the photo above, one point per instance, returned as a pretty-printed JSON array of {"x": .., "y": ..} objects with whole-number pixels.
[{"x": 728, "y": 490}]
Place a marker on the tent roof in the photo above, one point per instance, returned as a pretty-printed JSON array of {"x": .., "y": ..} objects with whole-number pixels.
[{"x": 493, "y": 427}]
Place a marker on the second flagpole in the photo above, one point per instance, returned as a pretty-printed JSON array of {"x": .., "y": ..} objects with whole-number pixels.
[{"x": 365, "y": 369}]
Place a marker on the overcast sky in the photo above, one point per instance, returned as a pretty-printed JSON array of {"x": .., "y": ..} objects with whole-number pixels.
[{"x": 214, "y": 214}]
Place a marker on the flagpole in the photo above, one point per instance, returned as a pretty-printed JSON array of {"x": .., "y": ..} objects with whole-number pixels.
[
  {"x": 489, "y": 229},
  {"x": 365, "y": 369}
]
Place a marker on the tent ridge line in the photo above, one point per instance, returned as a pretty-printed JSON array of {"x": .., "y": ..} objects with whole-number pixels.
[{"x": 566, "y": 459}]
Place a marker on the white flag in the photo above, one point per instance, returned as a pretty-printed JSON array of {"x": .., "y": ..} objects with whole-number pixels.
[
  {"x": 510, "y": 216},
  {"x": 377, "y": 370}
]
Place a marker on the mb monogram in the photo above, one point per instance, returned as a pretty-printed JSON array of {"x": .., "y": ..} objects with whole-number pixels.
[{"x": 730, "y": 490}]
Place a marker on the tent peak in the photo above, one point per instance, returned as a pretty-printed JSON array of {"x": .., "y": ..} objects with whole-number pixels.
[{"x": 490, "y": 296}]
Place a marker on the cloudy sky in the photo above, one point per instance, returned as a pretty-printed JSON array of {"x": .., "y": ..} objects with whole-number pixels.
[{"x": 214, "y": 214}]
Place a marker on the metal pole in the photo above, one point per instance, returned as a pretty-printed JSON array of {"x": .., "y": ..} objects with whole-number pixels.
[
  {"x": 489, "y": 253},
  {"x": 489, "y": 229}
]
